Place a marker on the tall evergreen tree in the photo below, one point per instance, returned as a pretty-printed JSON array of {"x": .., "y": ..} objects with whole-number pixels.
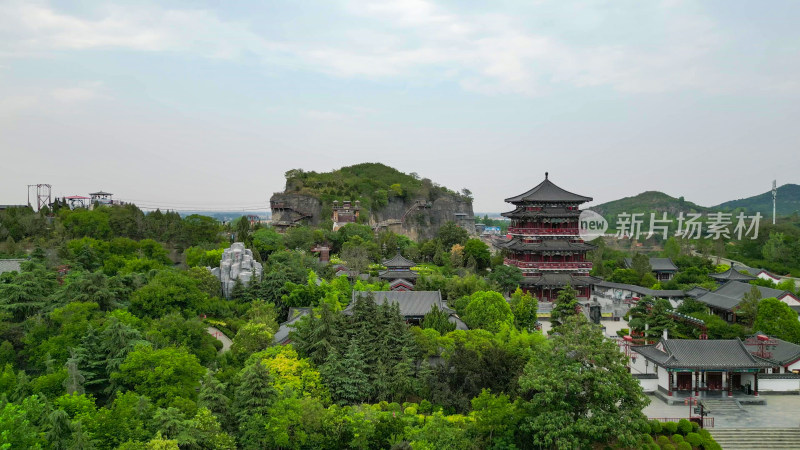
[
  {"x": 59, "y": 433},
  {"x": 74, "y": 381},
  {"x": 346, "y": 376},
  {"x": 212, "y": 396},
  {"x": 91, "y": 358},
  {"x": 566, "y": 306},
  {"x": 254, "y": 393}
]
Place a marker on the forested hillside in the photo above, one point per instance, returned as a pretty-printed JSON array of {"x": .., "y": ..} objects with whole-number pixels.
[{"x": 105, "y": 343}]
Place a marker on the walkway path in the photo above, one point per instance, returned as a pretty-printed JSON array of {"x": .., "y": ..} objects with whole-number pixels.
[{"x": 226, "y": 341}]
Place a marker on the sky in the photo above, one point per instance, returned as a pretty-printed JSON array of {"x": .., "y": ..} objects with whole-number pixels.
[{"x": 190, "y": 104}]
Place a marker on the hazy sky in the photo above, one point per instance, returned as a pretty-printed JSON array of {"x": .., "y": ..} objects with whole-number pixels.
[{"x": 184, "y": 103}]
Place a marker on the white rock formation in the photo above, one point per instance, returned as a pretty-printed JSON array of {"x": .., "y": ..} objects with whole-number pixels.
[{"x": 237, "y": 264}]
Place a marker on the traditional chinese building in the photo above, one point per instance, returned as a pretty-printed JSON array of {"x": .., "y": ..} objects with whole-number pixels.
[
  {"x": 724, "y": 301},
  {"x": 731, "y": 275},
  {"x": 399, "y": 274},
  {"x": 694, "y": 366},
  {"x": 545, "y": 243},
  {"x": 663, "y": 268},
  {"x": 344, "y": 213}
]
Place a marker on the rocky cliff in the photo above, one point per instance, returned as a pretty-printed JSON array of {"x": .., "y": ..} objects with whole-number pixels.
[{"x": 390, "y": 200}]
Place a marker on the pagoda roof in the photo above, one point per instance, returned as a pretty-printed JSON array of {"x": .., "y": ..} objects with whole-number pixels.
[
  {"x": 701, "y": 354},
  {"x": 394, "y": 274},
  {"x": 546, "y": 245},
  {"x": 521, "y": 213},
  {"x": 560, "y": 280},
  {"x": 731, "y": 274},
  {"x": 100, "y": 193},
  {"x": 399, "y": 261},
  {"x": 546, "y": 191}
]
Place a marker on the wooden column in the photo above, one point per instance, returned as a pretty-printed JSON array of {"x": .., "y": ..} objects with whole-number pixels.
[
  {"x": 729, "y": 380},
  {"x": 669, "y": 383},
  {"x": 755, "y": 384},
  {"x": 696, "y": 383}
]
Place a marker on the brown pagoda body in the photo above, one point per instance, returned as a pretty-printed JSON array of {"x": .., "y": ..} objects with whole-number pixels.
[{"x": 545, "y": 243}]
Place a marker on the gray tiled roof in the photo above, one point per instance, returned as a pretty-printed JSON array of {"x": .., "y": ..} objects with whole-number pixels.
[
  {"x": 754, "y": 272},
  {"x": 295, "y": 314},
  {"x": 412, "y": 303},
  {"x": 399, "y": 261},
  {"x": 10, "y": 265},
  {"x": 697, "y": 291},
  {"x": 730, "y": 294},
  {"x": 657, "y": 264},
  {"x": 393, "y": 274},
  {"x": 546, "y": 191},
  {"x": 546, "y": 245},
  {"x": 559, "y": 280},
  {"x": 783, "y": 352},
  {"x": 731, "y": 274},
  {"x": 660, "y": 293},
  {"x": 701, "y": 354}
]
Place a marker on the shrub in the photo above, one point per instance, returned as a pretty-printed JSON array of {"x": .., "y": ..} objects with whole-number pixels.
[
  {"x": 684, "y": 446},
  {"x": 662, "y": 441},
  {"x": 669, "y": 428},
  {"x": 668, "y": 447},
  {"x": 677, "y": 438},
  {"x": 655, "y": 427},
  {"x": 685, "y": 427},
  {"x": 695, "y": 427},
  {"x": 705, "y": 434},
  {"x": 694, "y": 439},
  {"x": 648, "y": 440}
]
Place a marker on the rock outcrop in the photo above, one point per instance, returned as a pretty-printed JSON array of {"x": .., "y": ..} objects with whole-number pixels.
[{"x": 237, "y": 264}]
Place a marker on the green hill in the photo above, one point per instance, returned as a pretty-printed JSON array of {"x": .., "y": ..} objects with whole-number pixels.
[
  {"x": 647, "y": 202},
  {"x": 788, "y": 202}
]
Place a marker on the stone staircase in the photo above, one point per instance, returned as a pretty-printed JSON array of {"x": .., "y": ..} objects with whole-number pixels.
[
  {"x": 717, "y": 407},
  {"x": 756, "y": 438}
]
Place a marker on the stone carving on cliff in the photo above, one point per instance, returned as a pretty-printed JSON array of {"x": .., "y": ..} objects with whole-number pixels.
[{"x": 237, "y": 264}]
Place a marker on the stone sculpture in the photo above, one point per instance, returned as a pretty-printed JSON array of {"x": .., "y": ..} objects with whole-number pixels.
[{"x": 237, "y": 264}]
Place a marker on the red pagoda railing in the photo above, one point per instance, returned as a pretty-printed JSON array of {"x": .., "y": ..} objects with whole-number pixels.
[
  {"x": 544, "y": 231},
  {"x": 548, "y": 265}
]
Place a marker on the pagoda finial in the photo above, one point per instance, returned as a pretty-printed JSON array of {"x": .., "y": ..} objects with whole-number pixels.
[{"x": 545, "y": 175}]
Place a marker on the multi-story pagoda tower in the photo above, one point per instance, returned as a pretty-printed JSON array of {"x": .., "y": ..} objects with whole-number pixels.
[{"x": 545, "y": 242}]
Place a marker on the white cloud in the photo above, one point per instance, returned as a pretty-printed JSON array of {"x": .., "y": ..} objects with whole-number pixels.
[
  {"x": 77, "y": 93},
  {"x": 653, "y": 47},
  {"x": 324, "y": 115}
]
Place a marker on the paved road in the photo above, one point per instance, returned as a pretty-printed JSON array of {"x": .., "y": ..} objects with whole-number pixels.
[
  {"x": 226, "y": 341},
  {"x": 780, "y": 411}
]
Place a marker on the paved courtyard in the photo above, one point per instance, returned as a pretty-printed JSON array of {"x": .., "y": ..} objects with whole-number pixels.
[{"x": 781, "y": 411}]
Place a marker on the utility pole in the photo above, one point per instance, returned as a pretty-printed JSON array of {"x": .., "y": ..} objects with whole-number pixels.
[{"x": 774, "y": 198}]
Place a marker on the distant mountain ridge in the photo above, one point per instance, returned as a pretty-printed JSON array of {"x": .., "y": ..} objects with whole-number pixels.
[
  {"x": 788, "y": 202},
  {"x": 658, "y": 202},
  {"x": 647, "y": 202}
]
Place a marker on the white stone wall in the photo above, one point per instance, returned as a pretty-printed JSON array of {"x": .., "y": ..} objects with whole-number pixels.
[{"x": 778, "y": 385}]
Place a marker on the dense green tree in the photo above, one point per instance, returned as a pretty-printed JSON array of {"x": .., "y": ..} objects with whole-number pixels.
[
  {"x": 451, "y": 234},
  {"x": 776, "y": 318},
  {"x": 163, "y": 374},
  {"x": 173, "y": 330},
  {"x": 212, "y": 396},
  {"x": 525, "y": 309},
  {"x": 476, "y": 250},
  {"x": 747, "y": 309},
  {"x": 507, "y": 278},
  {"x": 346, "y": 376},
  {"x": 438, "y": 320},
  {"x": 59, "y": 433},
  {"x": 316, "y": 336},
  {"x": 487, "y": 310},
  {"x": 168, "y": 291},
  {"x": 580, "y": 392},
  {"x": 566, "y": 305},
  {"x": 251, "y": 337},
  {"x": 28, "y": 293}
]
